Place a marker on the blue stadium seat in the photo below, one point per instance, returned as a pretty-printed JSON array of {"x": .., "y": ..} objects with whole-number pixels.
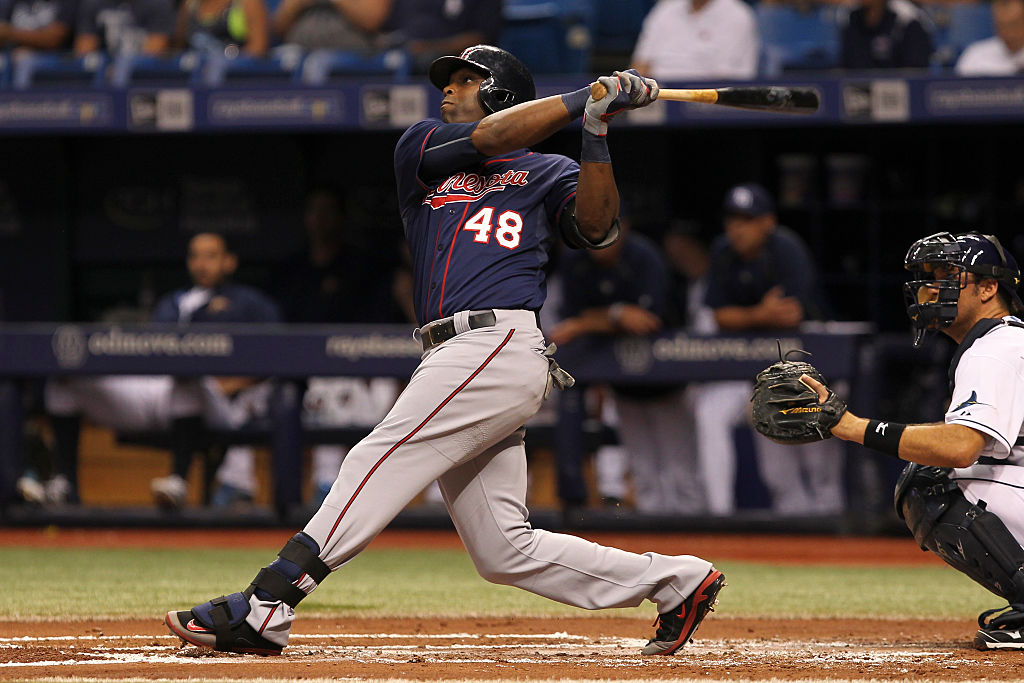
[
  {"x": 49, "y": 70},
  {"x": 957, "y": 25},
  {"x": 617, "y": 24},
  {"x": 793, "y": 39},
  {"x": 134, "y": 70},
  {"x": 549, "y": 36},
  {"x": 322, "y": 66},
  {"x": 283, "y": 64}
]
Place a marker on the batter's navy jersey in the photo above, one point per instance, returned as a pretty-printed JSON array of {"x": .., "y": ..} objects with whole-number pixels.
[{"x": 478, "y": 228}]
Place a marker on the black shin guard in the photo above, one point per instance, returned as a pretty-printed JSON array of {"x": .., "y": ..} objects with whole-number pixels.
[
  {"x": 966, "y": 536},
  {"x": 298, "y": 558}
]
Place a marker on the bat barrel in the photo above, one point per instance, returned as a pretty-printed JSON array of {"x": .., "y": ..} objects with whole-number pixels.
[{"x": 770, "y": 97}]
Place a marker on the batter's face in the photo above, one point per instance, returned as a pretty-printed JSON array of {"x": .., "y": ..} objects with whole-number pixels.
[
  {"x": 209, "y": 261},
  {"x": 461, "y": 102},
  {"x": 748, "y": 234}
]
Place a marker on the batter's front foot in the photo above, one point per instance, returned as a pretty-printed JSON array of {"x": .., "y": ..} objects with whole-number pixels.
[
  {"x": 676, "y": 626},
  {"x": 220, "y": 625}
]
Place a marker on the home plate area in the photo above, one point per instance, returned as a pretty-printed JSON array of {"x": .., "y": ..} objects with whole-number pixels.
[{"x": 516, "y": 648}]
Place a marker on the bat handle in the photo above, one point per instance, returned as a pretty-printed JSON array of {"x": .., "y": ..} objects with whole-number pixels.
[{"x": 597, "y": 90}]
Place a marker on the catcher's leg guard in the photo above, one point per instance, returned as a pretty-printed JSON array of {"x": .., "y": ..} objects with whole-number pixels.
[
  {"x": 967, "y": 537},
  {"x": 299, "y": 557}
]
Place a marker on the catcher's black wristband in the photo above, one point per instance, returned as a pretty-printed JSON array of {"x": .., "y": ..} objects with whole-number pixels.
[
  {"x": 595, "y": 148},
  {"x": 576, "y": 102},
  {"x": 884, "y": 437}
]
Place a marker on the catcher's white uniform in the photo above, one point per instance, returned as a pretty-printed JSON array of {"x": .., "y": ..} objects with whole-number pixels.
[{"x": 989, "y": 397}]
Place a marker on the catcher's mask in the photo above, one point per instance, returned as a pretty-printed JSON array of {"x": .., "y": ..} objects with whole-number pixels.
[
  {"x": 937, "y": 264},
  {"x": 508, "y": 82}
]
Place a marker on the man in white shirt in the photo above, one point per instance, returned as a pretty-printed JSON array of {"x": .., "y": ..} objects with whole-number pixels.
[
  {"x": 698, "y": 40},
  {"x": 1003, "y": 53}
]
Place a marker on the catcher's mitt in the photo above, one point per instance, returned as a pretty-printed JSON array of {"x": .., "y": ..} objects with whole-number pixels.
[{"x": 788, "y": 411}]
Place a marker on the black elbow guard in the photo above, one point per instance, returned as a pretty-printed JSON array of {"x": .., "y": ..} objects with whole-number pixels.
[{"x": 572, "y": 236}]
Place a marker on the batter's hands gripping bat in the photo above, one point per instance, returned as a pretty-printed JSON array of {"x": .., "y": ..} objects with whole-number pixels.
[{"x": 760, "y": 97}]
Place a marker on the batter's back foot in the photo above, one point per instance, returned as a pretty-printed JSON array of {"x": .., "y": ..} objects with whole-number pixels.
[{"x": 676, "y": 627}]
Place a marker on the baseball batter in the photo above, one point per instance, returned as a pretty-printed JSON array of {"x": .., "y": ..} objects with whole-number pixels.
[
  {"x": 480, "y": 211},
  {"x": 963, "y": 493}
]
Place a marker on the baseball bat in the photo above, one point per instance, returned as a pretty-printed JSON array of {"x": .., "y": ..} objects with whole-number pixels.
[{"x": 760, "y": 97}]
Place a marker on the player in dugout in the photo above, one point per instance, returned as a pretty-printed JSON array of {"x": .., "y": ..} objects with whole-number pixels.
[
  {"x": 480, "y": 212},
  {"x": 962, "y": 495}
]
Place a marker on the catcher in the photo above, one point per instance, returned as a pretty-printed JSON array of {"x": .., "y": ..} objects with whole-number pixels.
[{"x": 962, "y": 495}]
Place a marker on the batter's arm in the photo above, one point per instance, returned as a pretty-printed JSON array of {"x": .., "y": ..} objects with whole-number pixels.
[
  {"x": 597, "y": 201},
  {"x": 520, "y": 126},
  {"x": 526, "y": 124}
]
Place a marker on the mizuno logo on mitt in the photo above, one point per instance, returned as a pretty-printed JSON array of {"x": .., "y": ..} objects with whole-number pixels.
[{"x": 802, "y": 409}]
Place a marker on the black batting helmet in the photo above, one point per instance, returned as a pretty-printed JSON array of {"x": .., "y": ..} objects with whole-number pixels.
[{"x": 508, "y": 80}]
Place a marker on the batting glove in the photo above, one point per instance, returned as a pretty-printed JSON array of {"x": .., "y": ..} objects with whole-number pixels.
[
  {"x": 642, "y": 91},
  {"x": 599, "y": 112}
]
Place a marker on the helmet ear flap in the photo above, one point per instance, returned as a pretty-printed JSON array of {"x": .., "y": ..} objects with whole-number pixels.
[{"x": 495, "y": 98}]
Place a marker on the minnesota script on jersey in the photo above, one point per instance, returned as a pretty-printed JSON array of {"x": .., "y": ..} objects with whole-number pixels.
[{"x": 478, "y": 228}]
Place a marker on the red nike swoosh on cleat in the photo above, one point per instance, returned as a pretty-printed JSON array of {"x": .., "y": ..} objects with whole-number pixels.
[{"x": 196, "y": 628}]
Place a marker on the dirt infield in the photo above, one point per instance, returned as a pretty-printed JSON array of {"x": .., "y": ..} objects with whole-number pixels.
[
  {"x": 588, "y": 648},
  {"x": 544, "y": 649}
]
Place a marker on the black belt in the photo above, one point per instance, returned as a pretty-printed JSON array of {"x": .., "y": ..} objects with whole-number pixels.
[{"x": 441, "y": 331}]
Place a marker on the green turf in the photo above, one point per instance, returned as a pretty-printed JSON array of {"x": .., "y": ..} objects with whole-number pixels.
[{"x": 84, "y": 583}]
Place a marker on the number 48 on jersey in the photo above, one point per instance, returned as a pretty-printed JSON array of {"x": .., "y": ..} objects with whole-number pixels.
[{"x": 509, "y": 227}]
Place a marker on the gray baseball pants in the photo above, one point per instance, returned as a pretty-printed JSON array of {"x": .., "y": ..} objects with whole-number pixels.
[{"x": 460, "y": 421}]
